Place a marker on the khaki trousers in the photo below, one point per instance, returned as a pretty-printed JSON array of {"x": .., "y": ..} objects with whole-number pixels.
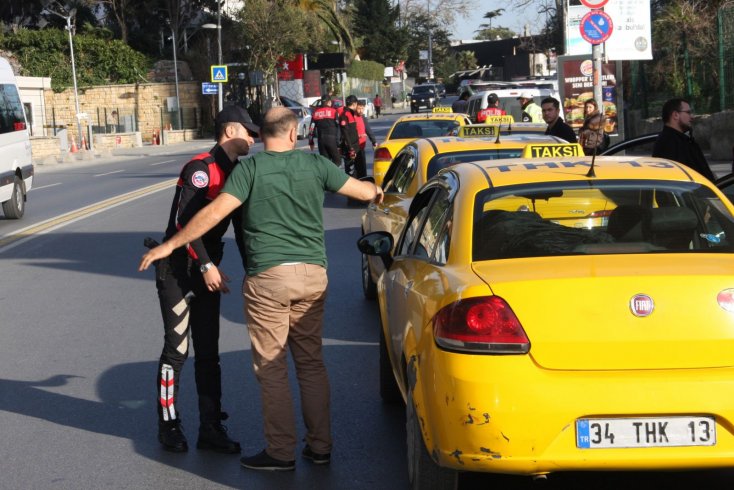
[{"x": 284, "y": 306}]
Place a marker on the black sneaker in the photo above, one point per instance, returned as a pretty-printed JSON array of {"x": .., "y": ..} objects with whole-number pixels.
[
  {"x": 263, "y": 461},
  {"x": 171, "y": 436},
  {"x": 316, "y": 458},
  {"x": 214, "y": 437}
]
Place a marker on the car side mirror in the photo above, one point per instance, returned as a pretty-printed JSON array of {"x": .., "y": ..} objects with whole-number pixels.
[{"x": 377, "y": 244}]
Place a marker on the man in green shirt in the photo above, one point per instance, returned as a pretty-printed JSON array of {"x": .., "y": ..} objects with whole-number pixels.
[{"x": 281, "y": 191}]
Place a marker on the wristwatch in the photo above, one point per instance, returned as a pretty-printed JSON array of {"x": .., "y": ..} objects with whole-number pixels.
[{"x": 205, "y": 267}]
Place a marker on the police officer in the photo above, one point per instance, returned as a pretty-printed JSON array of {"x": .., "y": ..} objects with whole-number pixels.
[
  {"x": 492, "y": 109},
  {"x": 364, "y": 132},
  {"x": 349, "y": 132},
  {"x": 325, "y": 126},
  {"x": 189, "y": 287},
  {"x": 531, "y": 112}
]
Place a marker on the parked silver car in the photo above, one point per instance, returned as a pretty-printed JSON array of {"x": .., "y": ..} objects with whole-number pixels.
[{"x": 304, "y": 120}]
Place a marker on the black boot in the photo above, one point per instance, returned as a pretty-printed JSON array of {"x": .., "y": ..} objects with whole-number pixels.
[
  {"x": 171, "y": 436},
  {"x": 213, "y": 436}
]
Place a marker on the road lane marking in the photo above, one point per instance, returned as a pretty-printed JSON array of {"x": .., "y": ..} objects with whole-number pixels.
[
  {"x": 25, "y": 234},
  {"x": 161, "y": 163},
  {"x": 108, "y": 173},
  {"x": 44, "y": 187}
]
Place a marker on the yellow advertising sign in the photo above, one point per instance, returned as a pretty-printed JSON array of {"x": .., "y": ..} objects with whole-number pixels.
[
  {"x": 478, "y": 131},
  {"x": 442, "y": 109},
  {"x": 507, "y": 119},
  {"x": 553, "y": 150}
]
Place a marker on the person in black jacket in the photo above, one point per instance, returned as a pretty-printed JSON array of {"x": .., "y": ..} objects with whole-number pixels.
[
  {"x": 556, "y": 125},
  {"x": 349, "y": 133},
  {"x": 675, "y": 141},
  {"x": 325, "y": 126},
  {"x": 190, "y": 284}
]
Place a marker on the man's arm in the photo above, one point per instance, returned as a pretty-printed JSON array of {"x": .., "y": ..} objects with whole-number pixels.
[
  {"x": 203, "y": 221},
  {"x": 362, "y": 190}
]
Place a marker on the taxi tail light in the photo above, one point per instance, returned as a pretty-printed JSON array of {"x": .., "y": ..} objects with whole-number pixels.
[
  {"x": 382, "y": 154},
  {"x": 600, "y": 214},
  {"x": 482, "y": 325}
]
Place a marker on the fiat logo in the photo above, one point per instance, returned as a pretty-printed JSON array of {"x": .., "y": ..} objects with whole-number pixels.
[{"x": 641, "y": 305}]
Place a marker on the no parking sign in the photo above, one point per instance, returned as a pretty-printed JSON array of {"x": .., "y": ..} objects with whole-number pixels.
[{"x": 596, "y": 27}]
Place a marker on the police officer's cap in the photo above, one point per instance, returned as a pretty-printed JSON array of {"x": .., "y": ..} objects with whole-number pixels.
[
  {"x": 492, "y": 98},
  {"x": 325, "y": 98},
  {"x": 233, "y": 113}
]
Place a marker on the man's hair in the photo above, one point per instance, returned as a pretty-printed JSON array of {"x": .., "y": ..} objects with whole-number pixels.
[
  {"x": 223, "y": 127},
  {"x": 351, "y": 99},
  {"x": 277, "y": 122},
  {"x": 671, "y": 106},
  {"x": 551, "y": 100},
  {"x": 465, "y": 95},
  {"x": 361, "y": 102}
]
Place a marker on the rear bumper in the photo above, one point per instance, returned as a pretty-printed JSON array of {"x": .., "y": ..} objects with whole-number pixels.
[{"x": 503, "y": 414}]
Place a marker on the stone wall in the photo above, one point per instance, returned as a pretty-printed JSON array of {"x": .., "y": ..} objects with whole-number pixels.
[
  {"x": 108, "y": 142},
  {"x": 143, "y": 101},
  {"x": 45, "y": 149}
]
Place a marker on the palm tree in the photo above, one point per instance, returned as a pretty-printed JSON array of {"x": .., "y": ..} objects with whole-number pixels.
[
  {"x": 490, "y": 15},
  {"x": 327, "y": 12}
]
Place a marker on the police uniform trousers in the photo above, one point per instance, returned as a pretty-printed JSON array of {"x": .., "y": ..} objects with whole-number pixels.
[
  {"x": 188, "y": 306},
  {"x": 329, "y": 148},
  {"x": 284, "y": 307}
]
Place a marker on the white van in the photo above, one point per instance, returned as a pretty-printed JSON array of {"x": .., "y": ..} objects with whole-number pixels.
[
  {"x": 16, "y": 163},
  {"x": 508, "y": 100}
]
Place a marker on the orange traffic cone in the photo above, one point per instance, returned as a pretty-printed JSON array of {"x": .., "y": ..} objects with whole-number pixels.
[
  {"x": 74, "y": 149},
  {"x": 84, "y": 143}
]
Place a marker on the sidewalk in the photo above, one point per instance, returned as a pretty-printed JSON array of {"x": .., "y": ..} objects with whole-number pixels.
[{"x": 186, "y": 148}]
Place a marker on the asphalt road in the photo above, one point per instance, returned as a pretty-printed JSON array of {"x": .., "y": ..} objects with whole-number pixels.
[{"x": 81, "y": 335}]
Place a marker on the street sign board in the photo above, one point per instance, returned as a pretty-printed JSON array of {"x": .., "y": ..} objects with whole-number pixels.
[
  {"x": 594, "y": 4},
  {"x": 219, "y": 73},
  {"x": 209, "y": 88},
  {"x": 596, "y": 27}
]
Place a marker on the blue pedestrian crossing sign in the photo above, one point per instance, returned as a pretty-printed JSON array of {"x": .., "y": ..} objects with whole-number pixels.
[{"x": 219, "y": 73}]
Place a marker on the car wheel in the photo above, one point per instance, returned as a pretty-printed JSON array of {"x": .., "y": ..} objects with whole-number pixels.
[
  {"x": 301, "y": 132},
  {"x": 14, "y": 207},
  {"x": 423, "y": 472},
  {"x": 369, "y": 288},
  {"x": 389, "y": 391}
]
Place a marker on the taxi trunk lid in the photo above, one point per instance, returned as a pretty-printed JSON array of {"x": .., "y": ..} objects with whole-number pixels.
[{"x": 577, "y": 310}]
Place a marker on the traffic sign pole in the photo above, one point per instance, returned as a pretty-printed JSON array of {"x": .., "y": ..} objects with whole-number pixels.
[{"x": 596, "y": 27}]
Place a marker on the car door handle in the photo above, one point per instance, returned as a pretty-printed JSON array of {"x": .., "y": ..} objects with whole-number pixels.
[
  {"x": 408, "y": 287},
  {"x": 386, "y": 211}
]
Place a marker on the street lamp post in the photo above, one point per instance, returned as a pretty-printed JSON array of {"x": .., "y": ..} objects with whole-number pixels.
[
  {"x": 218, "y": 27},
  {"x": 68, "y": 17},
  {"x": 430, "y": 45},
  {"x": 175, "y": 75}
]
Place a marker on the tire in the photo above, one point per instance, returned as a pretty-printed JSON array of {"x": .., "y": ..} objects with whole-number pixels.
[
  {"x": 369, "y": 288},
  {"x": 301, "y": 133},
  {"x": 423, "y": 472},
  {"x": 389, "y": 391},
  {"x": 14, "y": 207}
]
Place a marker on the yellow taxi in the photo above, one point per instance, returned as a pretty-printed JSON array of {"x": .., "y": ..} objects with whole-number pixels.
[
  {"x": 524, "y": 346},
  {"x": 410, "y": 127},
  {"x": 421, "y": 159}
]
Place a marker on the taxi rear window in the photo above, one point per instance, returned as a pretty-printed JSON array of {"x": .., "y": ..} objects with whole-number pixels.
[
  {"x": 424, "y": 129},
  {"x": 443, "y": 160},
  {"x": 610, "y": 217}
]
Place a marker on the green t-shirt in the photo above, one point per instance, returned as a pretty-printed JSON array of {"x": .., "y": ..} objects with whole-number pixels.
[{"x": 283, "y": 199}]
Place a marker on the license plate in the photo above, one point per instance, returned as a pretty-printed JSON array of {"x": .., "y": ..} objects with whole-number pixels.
[{"x": 645, "y": 432}]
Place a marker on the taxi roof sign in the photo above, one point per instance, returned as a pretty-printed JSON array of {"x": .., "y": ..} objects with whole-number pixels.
[
  {"x": 506, "y": 119},
  {"x": 478, "y": 131},
  {"x": 553, "y": 150},
  {"x": 442, "y": 109}
]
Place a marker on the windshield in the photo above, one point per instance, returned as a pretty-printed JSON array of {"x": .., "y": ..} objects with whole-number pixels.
[
  {"x": 444, "y": 160},
  {"x": 423, "y": 90},
  {"x": 612, "y": 217},
  {"x": 426, "y": 128}
]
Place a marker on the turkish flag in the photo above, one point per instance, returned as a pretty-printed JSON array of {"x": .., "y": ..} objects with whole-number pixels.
[{"x": 290, "y": 69}]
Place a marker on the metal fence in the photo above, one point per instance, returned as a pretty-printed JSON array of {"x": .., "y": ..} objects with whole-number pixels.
[{"x": 708, "y": 83}]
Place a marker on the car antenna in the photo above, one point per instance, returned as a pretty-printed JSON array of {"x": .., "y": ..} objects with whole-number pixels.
[
  {"x": 591, "y": 172},
  {"x": 499, "y": 131}
]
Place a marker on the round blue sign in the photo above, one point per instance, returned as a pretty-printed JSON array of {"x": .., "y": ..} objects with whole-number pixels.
[{"x": 596, "y": 27}]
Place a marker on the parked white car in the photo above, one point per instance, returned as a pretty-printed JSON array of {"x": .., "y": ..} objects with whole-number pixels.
[{"x": 369, "y": 107}]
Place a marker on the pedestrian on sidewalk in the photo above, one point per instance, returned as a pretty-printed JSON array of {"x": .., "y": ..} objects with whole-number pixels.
[
  {"x": 377, "y": 102},
  {"x": 675, "y": 141},
  {"x": 190, "y": 284},
  {"x": 551, "y": 108},
  {"x": 285, "y": 284}
]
